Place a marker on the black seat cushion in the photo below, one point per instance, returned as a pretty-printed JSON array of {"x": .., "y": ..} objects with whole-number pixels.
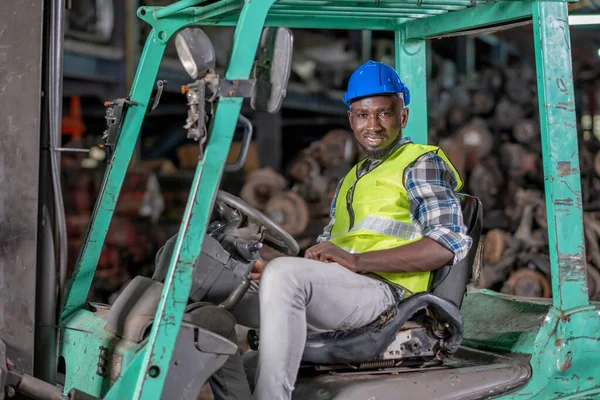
[{"x": 369, "y": 342}]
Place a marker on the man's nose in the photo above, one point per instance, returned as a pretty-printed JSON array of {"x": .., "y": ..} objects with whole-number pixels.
[{"x": 373, "y": 123}]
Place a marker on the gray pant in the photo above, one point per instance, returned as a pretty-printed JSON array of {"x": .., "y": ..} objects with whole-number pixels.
[{"x": 297, "y": 295}]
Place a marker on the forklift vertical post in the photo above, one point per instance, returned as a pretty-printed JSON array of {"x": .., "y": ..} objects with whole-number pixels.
[
  {"x": 85, "y": 267},
  {"x": 144, "y": 378},
  {"x": 560, "y": 154},
  {"x": 411, "y": 64}
]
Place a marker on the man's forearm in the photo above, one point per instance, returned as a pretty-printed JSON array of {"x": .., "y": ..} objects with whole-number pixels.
[{"x": 421, "y": 256}]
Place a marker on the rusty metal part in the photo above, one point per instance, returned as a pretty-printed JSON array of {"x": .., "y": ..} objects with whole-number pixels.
[
  {"x": 593, "y": 278},
  {"x": 458, "y": 116},
  {"x": 483, "y": 102},
  {"x": 506, "y": 114},
  {"x": 517, "y": 160},
  {"x": 456, "y": 152},
  {"x": 597, "y": 163},
  {"x": 486, "y": 182},
  {"x": 304, "y": 167},
  {"x": 288, "y": 210},
  {"x": 476, "y": 136},
  {"x": 528, "y": 283},
  {"x": 496, "y": 241},
  {"x": 261, "y": 185},
  {"x": 336, "y": 148},
  {"x": 526, "y": 131},
  {"x": 492, "y": 274}
]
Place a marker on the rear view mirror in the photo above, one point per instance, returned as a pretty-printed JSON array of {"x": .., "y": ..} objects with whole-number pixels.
[
  {"x": 195, "y": 51},
  {"x": 272, "y": 69}
]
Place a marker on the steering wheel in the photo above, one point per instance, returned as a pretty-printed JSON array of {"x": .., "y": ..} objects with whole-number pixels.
[{"x": 274, "y": 235}]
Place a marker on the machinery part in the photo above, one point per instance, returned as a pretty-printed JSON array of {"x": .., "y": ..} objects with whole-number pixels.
[
  {"x": 517, "y": 161},
  {"x": 236, "y": 295},
  {"x": 506, "y": 114},
  {"x": 272, "y": 69},
  {"x": 486, "y": 182},
  {"x": 455, "y": 150},
  {"x": 195, "y": 122},
  {"x": 476, "y": 136},
  {"x": 261, "y": 185},
  {"x": 304, "y": 167},
  {"x": 160, "y": 84},
  {"x": 91, "y": 20},
  {"x": 526, "y": 131},
  {"x": 274, "y": 235},
  {"x": 115, "y": 110},
  {"x": 593, "y": 277},
  {"x": 483, "y": 102},
  {"x": 32, "y": 387},
  {"x": 289, "y": 211},
  {"x": 528, "y": 283},
  {"x": 597, "y": 163},
  {"x": 195, "y": 51},
  {"x": 495, "y": 243},
  {"x": 246, "y": 140},
  {"x": 75, "y": 394},
  {"x": 336, "y": 148}
]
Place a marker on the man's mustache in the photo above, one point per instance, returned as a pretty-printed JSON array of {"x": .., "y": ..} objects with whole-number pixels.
[{"x": 376, "y": 135}]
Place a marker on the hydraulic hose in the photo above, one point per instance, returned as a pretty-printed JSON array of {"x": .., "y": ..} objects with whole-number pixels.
[{"x": 55, "y": 53}]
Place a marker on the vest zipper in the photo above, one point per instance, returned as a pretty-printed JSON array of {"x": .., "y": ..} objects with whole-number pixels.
[{"x": 350, "y": 193}]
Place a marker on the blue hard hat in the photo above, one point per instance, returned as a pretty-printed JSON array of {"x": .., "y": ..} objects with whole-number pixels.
[{"x": 375, "y": 78}]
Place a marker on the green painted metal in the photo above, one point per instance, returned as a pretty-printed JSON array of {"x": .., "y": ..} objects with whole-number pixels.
[
  {"x": 470, "y": 18},
  {"x": 560, "y": 337},
  {"x": 161, "y": 342},
  {"x": 556, "y": 98},
  {"x": 85, "y": 266},
  {"x": 411, "y": 64},
  {"x": 84, "y": 344}
]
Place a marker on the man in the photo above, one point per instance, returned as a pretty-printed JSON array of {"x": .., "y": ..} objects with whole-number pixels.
[{"x": 395, "y": 218}]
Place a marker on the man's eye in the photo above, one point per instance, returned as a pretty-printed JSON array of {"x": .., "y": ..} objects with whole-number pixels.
[
  {"x": 386, "y": 114},
  {"x": 362, "y": 115}
]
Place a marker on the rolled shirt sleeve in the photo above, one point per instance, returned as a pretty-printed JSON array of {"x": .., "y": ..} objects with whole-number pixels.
[{"x": 435, "y": 206}]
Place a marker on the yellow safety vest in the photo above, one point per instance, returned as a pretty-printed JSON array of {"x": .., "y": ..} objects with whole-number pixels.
[{"x": 372, "y": 212}]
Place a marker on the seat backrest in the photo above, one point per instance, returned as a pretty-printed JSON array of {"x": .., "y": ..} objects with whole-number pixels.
[{"x": 450, "y": 282}]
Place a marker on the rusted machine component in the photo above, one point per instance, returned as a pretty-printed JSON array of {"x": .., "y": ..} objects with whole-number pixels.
[
  {"x": 528, "y": 283},
  {"x": 261, "y": 186},
  {"x": 289, "y": 210},
  {"x": 337, "y": 148}
]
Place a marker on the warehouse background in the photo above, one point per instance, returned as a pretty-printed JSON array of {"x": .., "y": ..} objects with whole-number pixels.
[{"x": 483, "y": 112}]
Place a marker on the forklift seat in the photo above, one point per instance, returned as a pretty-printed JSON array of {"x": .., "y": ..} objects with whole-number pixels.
[{"x": 393, "y": 336}]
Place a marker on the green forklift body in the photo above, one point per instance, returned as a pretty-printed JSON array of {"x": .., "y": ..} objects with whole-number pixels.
[{"x": 558, "y": 338}]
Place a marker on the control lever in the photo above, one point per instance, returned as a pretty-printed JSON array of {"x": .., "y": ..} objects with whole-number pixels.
[
  {"x": 246, "y": 140},
  {"x": 160, "y": 84}
]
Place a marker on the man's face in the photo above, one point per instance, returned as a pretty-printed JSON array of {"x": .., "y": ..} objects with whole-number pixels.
[{"x": 377, "y": 123}]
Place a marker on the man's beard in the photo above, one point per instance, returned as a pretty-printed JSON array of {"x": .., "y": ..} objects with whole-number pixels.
[{"x": 379, "y": 154}]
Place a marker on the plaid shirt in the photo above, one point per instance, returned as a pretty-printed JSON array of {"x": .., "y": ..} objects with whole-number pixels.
[{"x": 434, "y": 206}]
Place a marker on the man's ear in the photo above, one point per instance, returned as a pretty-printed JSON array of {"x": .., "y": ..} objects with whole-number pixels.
[
  {"x": 350, "y": 119},
  {"x": 404, "y": 116}
]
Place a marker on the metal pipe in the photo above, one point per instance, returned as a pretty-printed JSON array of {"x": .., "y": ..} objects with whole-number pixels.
[
  {"x": 176, "y": 7},
  {"x": 55, "y": 119},
  {"x": 45, "y": 310},
  {"x": 39, "y": 390}
]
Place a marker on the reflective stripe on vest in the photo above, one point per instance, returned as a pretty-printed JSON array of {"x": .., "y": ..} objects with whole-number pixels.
[{"x": 372, "y": 212}]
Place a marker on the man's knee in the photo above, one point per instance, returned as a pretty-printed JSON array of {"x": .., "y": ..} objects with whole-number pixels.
[{"x": 281, "y": 275}]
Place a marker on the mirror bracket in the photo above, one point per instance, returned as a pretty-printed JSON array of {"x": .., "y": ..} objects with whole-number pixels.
[{"x": 236, "y": 88}]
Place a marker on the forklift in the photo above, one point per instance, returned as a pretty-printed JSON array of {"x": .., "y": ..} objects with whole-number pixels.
[{"x": 157, "y": 340}]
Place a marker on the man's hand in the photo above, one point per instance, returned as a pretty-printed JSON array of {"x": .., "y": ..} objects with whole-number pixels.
[
  {"x": 329, "y": 252},
  {"x": 257, "y": 270}
]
